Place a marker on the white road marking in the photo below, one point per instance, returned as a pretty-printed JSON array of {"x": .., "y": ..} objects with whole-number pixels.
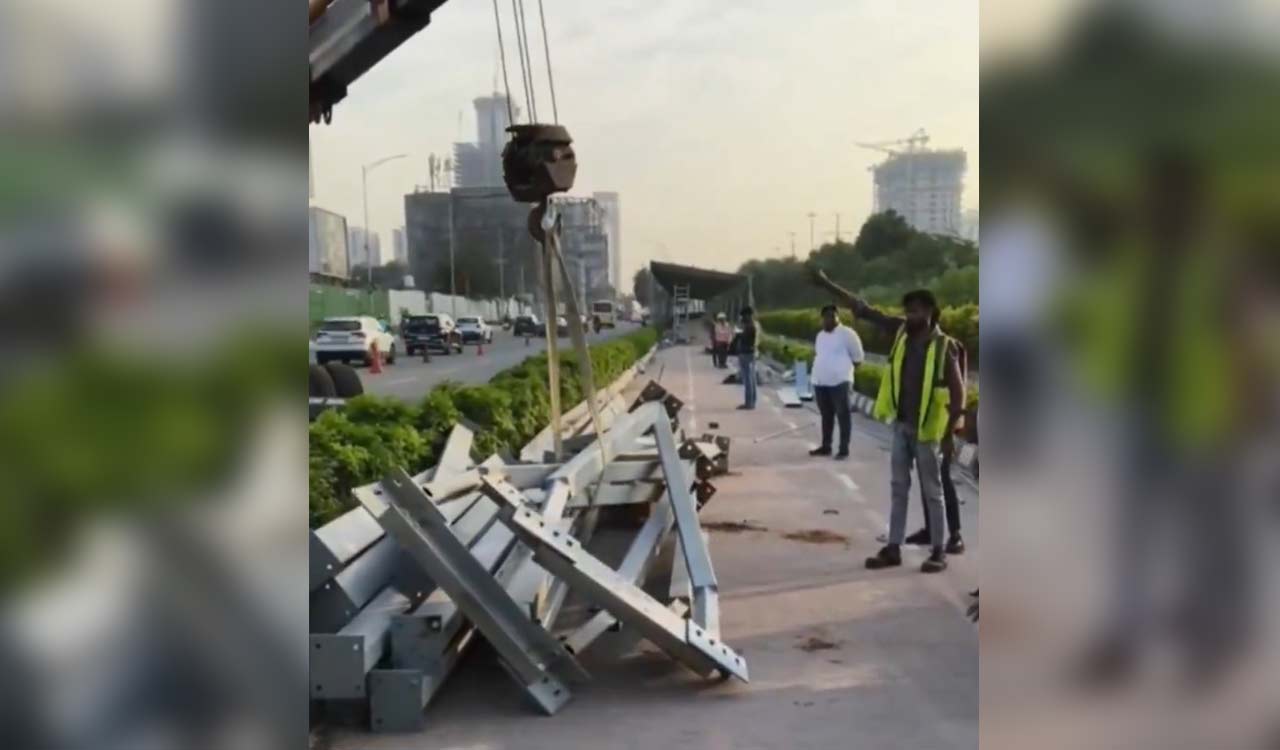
[{"x": 847, "y": 481}]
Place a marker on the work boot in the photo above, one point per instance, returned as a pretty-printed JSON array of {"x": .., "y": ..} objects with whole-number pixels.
[
  {"x": 955, "y": 545},
  {"x": 824, "y": 450},
  {"x": 889, "y": 556},
  {"x": 919, "y": 539},
  {"x": 842, "y": 454},
  {"x": 936, "y": 563}
]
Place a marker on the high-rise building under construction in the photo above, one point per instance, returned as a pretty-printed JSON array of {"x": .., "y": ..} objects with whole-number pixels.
[{"x": 923, "y": 186}]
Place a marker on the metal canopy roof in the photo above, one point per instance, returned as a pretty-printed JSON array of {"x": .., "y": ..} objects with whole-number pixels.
[{"x": 703, "y": 282}]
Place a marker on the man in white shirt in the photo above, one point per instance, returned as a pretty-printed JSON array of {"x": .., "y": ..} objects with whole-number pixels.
[{"x": 836, "y": 351}]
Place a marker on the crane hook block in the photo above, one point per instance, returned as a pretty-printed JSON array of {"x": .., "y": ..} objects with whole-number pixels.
[{"x": 538, "y": 161}]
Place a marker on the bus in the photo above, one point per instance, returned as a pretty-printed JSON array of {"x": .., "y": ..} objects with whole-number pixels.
[{"x": 604, "y": 314}]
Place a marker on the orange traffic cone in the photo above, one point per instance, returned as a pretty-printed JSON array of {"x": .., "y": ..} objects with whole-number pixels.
[
  {"x": 480, "y": 347},
  {"x": 375, "y": 360}
]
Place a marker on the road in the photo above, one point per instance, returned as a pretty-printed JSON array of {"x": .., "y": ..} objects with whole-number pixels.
[{"x": 410, "y": 378}]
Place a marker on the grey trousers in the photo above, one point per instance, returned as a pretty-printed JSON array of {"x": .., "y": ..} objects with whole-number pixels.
[{"x": 927, "y": 459}]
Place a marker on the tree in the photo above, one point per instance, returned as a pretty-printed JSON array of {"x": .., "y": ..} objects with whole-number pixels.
[{"x": 640, "y": 286}]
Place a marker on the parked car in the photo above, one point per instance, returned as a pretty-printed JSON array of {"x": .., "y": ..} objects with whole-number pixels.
[
  {"x": 473, "y": 328},
  {"x": 353, "y": 338},
  {"x": 432, "y": 333},
  {"x": 528, "y": 325}
]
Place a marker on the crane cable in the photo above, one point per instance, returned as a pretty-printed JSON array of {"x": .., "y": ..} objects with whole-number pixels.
[
  {"x": 525, "y": 73},
  {"x": 502, "y": 55},
  {"x": 551, "y": 81}
]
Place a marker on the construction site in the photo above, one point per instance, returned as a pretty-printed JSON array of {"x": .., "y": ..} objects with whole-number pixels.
[{"x": 658, "y": 567}]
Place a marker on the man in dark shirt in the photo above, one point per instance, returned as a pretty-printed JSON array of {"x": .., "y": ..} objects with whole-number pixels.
[
  {"x": 915, "y": 333},
  {"x": 746, "y": 345}
]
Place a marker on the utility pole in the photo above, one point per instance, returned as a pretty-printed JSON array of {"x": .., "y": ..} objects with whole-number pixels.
[
  {"x": 502, "y": 263},
  {"x": 793, "y": 244},
  {"x": 364, "y": 189},
  {"x": 837, "y": 227},
  {"x": 812, "y": 216},
  {"x": 453, "y": 277}
]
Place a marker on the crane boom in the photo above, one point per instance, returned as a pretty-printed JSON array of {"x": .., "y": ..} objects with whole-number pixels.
[{"x": 348, "y": 37}]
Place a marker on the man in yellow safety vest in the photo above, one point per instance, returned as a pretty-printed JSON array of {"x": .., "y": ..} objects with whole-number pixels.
[{"x": 922, "y": 395}]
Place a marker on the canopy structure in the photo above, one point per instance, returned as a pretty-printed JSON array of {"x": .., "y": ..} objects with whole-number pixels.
[{"x": 703, "y": 283}]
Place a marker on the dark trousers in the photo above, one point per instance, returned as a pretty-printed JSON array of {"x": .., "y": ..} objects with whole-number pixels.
[
  {"x": 720, "y": 355},
  {"x": 833, "y": 405},
  {"x": 950, "y": 500}
]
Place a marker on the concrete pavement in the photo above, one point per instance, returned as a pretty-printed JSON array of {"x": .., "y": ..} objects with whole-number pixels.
[{"x": 840, "y": 657}]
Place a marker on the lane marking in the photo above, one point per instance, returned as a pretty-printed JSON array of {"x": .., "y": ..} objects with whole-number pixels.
[{"x": 846, "y": 480}]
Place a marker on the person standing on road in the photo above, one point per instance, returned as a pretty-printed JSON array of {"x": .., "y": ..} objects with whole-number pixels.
[
  {"x": 721, "y": 335},
  {"x": 837, "y": 350},
  {"x": 747, "y": 345},
  {"x": 922, "y": 394}
]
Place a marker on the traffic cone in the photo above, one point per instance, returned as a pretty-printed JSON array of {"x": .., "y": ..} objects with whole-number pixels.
[
  {"x": 480, "y": 347},
  {"x": 375, "y": 365}
]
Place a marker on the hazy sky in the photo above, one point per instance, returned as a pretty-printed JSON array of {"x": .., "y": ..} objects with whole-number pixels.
[{"x": 720, "y": 124}]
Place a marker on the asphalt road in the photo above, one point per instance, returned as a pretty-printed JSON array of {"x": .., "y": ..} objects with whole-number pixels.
[{"x": 411, "y": 378}]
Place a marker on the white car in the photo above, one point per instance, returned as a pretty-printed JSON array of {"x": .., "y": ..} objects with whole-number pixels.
[
  {"x": 474, "y": 328},
  {"x": 351, "y": 338}
]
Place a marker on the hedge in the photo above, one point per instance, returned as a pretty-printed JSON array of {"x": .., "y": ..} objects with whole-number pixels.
[
  {"x": 958, "y": 322},
  {"x": 866, "y": 376},
  {"x": 359, "y": 444}
]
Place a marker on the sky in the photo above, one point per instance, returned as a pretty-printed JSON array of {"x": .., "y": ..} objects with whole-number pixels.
[{"x": 722, "y": 125}]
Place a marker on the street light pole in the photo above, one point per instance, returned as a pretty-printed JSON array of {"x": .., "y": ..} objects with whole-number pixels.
[
  {"x": 453, "y": 276},
  {"x": 364, "y": 189},
  {"x": 812, "y": 216}
]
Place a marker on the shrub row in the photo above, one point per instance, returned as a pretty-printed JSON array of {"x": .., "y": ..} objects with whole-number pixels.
[
  {"x": 372, "y": 434},
  {"x": 960, "y": 323},
  {"x": 866, "y": 376}
]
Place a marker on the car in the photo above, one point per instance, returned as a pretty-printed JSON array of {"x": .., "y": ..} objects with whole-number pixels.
[
  {"x": 430, "y": 333},
  {"x": 528, "y": 325},
  {"x": 353, "y": 338},
  {"x": 474, "y": 328}
]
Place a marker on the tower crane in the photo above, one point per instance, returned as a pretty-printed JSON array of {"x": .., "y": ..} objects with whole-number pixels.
[{"x": 915, "y": 142}]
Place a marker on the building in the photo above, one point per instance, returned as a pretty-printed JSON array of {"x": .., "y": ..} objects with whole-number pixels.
[
  {"x": 479, "y": 164},
  {"x": 327, "y": 244},
  {"x": 356, "y": 247},
  {"x": 923, "y": 186},
  {"x": 399, "y": 246},
  {"x": 613, "y": 228},
  {"x": 493, "y": 253},
  {"x": 586, "y": 246}
]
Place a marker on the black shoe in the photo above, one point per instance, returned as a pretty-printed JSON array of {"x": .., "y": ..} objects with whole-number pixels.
[
  {"x": 743, "y": 407},
  {"x": 889, "y": 556},
  {"x": 842, "y": 454},
  {"x": 936, "y": 563},
  {"x": 919, "y": 539},
  {"x": 821, "y": 451},
  {"x": 955, "y": 545}
]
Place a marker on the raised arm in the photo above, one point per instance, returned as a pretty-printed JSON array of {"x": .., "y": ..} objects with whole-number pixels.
[{"x": 861, "y": 309}]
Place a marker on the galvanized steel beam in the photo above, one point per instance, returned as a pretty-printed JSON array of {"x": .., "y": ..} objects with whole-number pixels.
[
  {"x": 563, "y": 556},
  {"x": 528, "y": 651}
]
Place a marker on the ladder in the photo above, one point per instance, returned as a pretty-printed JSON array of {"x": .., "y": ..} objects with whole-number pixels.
[{"x": 680, "y": 313}]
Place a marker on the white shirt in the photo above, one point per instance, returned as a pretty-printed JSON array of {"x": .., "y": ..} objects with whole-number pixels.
[{"x": 835, "y": 354}]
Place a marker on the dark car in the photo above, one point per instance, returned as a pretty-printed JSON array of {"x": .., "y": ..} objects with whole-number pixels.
[
  {"x": 433, "y": 332},
  {"x": 528, "y": 325}
]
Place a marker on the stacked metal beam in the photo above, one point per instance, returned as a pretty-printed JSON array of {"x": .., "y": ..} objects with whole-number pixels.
[{"x": 428, "y": 565}]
